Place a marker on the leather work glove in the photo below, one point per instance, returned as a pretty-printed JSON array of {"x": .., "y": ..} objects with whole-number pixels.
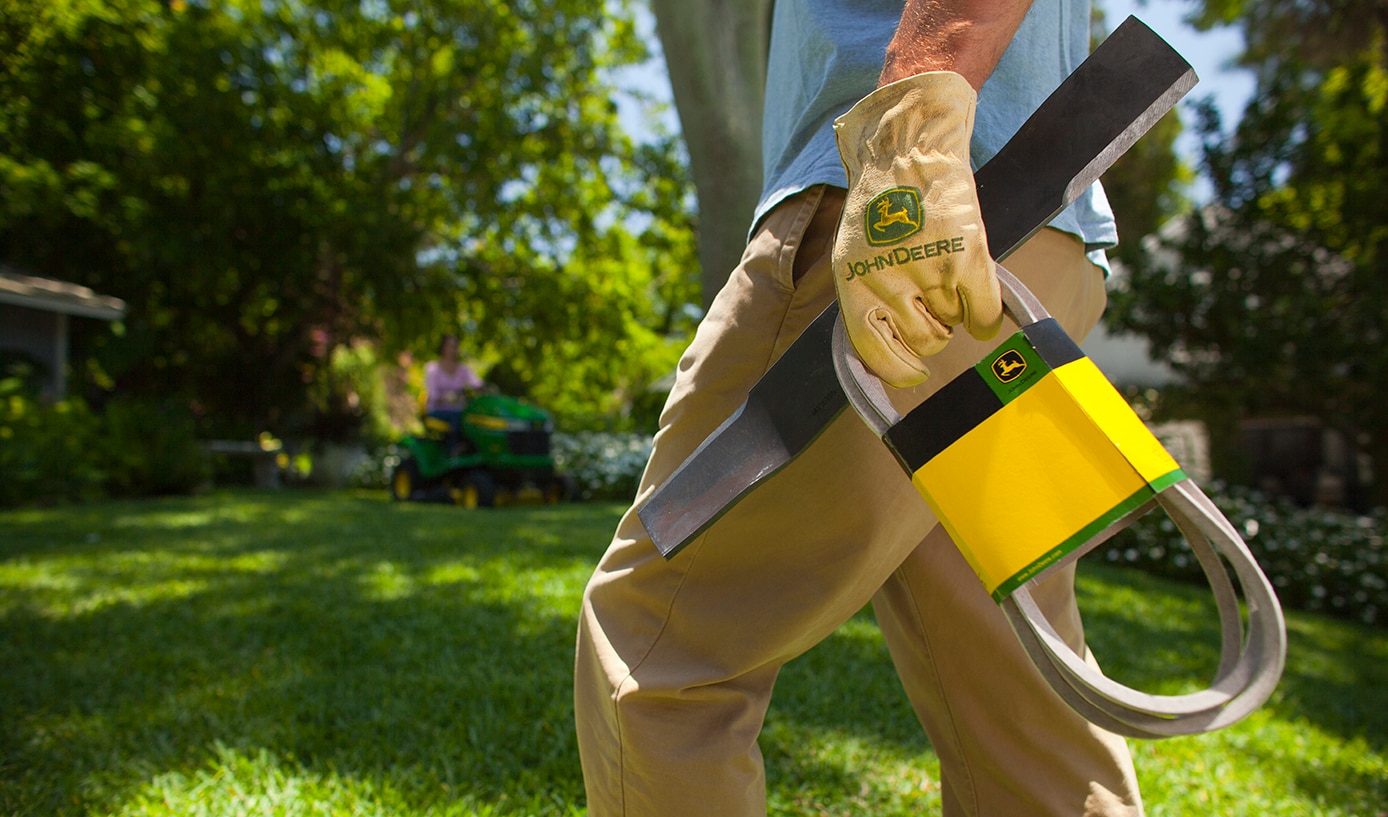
[{"x": 911, "y": 258}]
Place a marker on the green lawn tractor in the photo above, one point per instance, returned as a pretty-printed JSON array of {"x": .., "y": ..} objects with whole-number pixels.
[{"x": 502, "y": 457}]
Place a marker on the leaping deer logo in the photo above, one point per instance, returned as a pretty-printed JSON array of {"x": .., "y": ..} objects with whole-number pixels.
[
  {"x": 1009, "y": 366},
  {"x": 897, "y": 215},
  {"x": 886, "y": 216}
]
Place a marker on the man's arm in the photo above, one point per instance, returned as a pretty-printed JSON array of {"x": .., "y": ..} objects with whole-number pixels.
[
  {"x": 911, "y": 258},
  {"x": 965, "y": 37}
]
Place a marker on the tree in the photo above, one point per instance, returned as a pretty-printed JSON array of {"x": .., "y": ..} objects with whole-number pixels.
[
  {"x": 716, "y": 54},
  {"x": 1277, "y": 304},
  {"x": 263, "y": 180}
]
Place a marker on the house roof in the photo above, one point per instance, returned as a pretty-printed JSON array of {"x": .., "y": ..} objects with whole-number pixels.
[{"x": 51, "y": 295}]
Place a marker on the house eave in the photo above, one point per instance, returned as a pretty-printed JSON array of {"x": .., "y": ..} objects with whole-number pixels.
[{"x": 49, "y": 295}]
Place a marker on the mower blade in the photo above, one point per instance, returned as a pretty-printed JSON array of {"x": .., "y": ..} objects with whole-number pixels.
[
  {"x": 1116, "y": 95},
  {"x": 787, "y": 408},
  {"x": 1129, "y": 82}
]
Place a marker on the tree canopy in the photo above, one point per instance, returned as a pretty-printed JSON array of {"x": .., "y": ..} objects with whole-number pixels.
[
  {"x": 264, "y": 181},
  {"x": 1276, "y": 305}
]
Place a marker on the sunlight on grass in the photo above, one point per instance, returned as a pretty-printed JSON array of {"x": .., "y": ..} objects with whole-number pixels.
[
  {"x": 259, "y": 782},
  {"x": 1263, "y": 766},
  {"x": 1316, "y": 748},
  {"x": 176, "y": 521},
  {"x": 386, "y": 582},
  {"x": 1178, "y": 629},
  {"x": 830, "y": 772},
  {"x": 332, "y": 653},
  {"x": 80, "y": 586},
  {"x": 454, "y": 573}
]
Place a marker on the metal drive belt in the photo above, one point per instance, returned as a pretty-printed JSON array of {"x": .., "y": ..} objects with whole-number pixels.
[{"x": 1056, "y": 463}]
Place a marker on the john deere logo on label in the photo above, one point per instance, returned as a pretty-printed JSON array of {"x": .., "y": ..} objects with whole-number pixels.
[
  {"x": 893, "y": 215},
  {"x": 1009, "y": 366}
]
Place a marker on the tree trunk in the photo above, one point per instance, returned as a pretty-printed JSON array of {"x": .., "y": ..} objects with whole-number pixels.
[{"x": 716, "y": 53}]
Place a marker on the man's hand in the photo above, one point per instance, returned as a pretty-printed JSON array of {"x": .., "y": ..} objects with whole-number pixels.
[{"x": 911, "y": 258}]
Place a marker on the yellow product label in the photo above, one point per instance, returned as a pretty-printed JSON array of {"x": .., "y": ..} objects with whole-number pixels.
[
  {"x": 1029, "y": 456},
  {"x": 1115, "y": 417},
  {"x": 1043, "y": 474}
]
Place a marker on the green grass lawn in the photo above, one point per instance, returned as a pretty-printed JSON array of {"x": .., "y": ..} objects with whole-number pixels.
[{"x": 304, "y": 653}]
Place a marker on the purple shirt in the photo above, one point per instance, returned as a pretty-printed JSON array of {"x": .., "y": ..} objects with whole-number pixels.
[{"x": 444, "y": 389}]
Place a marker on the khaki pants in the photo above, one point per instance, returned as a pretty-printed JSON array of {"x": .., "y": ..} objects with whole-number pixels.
[{"x": 676, "y": 660}]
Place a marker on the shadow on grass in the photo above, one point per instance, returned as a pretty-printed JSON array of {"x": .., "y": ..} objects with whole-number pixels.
[
  {"x": 426, "y": 650},
  {"x": 847, "y": 685},
  {"x": 1336, "y": 676}
]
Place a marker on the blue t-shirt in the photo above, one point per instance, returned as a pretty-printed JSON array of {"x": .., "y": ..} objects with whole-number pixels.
[{"x": 827, "y": 54}]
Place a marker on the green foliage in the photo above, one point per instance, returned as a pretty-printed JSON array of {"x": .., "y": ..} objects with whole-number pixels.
[
  {"x": 149, "y": 448},
  {"x": 1317, "y": 559},
  {"x": 1272, "y": 299},
  {"x": 67, "y": 452},
  {"x": 267, "y": 182},
  {"x": 21, "y": 373},
  {"x": 349, "y": 397},
  {"x": 607, "y": 466},
  {"x": 294, "y": 653},
  {"x": 1318, "y": 32},
  {"x": 589, "y": 340},
  {"x": 48, "y": 452}
]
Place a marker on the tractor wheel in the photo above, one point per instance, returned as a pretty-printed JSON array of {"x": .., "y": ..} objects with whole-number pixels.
[
  {"x": 562, "y": 488},
  {"x": 405, "y": 480},
  {"x": 477, "y": 490}
]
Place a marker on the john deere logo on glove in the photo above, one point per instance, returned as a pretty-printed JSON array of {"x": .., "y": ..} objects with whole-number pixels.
[{"x": 893, "y": 215}]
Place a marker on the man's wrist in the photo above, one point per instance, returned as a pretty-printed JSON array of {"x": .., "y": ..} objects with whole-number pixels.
[{"x": 966, "y": 37}]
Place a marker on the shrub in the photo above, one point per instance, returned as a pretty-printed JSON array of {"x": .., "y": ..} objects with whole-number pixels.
[
  {"x": 1317, "y": 559},
  {"x": 150, "y": 448},
  {"x": 606, "y": 465},
  {"x": 350, "y": 397},
  {"x": 47, "y": 452},
  {"x": 21, "y": 373},
  {"x": 66, "y": 452},
  {"x": 374, "y": 470}
]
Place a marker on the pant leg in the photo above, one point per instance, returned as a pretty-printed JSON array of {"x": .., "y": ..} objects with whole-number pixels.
[
  {"x": 1007, "y": 744},
  {"x": 676, "y": 660}
]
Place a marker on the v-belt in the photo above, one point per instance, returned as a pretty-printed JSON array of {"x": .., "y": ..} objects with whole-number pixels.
[{"x": 1034, "y": 399}]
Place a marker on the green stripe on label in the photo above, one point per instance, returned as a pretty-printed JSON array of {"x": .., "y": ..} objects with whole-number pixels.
[{"x": 1083, "y": 537}]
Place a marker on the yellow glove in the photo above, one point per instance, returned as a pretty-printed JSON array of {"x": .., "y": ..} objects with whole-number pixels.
[{"x": 911, "y": 259}]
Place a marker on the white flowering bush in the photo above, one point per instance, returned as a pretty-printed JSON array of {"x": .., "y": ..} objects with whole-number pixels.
[
  {"x": 374, "y": 470},
  {"x": 605, "y": 465},
  {"x": 1317, "y": 559}
]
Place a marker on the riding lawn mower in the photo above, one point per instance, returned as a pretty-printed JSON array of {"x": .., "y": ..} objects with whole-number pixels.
[{"x": 499, "y": 455}]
